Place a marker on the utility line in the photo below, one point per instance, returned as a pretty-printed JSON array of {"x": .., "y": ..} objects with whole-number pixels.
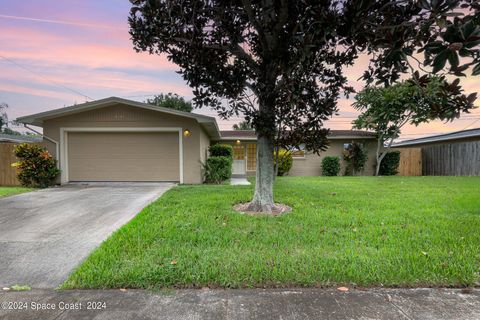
[
  {"x": 64, "y": 22},
  {"x": 45, "y": 78}
]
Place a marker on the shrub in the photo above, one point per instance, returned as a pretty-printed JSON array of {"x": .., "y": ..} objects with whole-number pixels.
[
  {"x": 36, "y": 167},
  {"x": 217, "y": 169},
  {"x": 356, "y": 156},
  {"x": 390, "y": 163},
  {"x": 285, "y": 162},
  {"x": 221, "y": 150},
  {"x": 330, "y": 166}
]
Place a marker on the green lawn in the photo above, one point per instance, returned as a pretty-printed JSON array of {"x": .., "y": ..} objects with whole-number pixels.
[
  {"x": 8, "y": 191},
  {"x": 365, "y": 231}
]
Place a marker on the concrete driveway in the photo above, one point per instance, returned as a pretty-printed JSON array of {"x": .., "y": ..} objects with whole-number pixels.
[{"x": 45, "y": 234}]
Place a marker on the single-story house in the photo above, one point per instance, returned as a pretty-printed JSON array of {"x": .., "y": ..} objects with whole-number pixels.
[
  {"x": 455, "y": 153},
  {"x": 14, "y": 138},
  {"x": 114, "y": 139}
]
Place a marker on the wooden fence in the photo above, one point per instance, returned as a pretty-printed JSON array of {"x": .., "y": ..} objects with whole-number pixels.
[
  {"x": 410, "y": 162},
  {"x": 8, "y": 174},
  {"x": 453, "y": 159}
]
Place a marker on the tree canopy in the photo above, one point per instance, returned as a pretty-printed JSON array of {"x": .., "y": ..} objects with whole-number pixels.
[
  {"x": 385, "y": 110},
  {"x": 243, "y": 125},
  {"x": 3, "y": 116},
  {"x": 280, "y": 62},
  {"x": 171, "y": 101}
]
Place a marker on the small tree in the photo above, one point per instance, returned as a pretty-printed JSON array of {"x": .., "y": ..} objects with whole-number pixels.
[
  {"x": 171, "y": 101},
  {"x": 386, "y": 110},
  {"x": 244, "y": 125},
  {"x": 356, "y": 156}
]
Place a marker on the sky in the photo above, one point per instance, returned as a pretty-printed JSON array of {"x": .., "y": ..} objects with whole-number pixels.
[{"x": 59, "y": 53}]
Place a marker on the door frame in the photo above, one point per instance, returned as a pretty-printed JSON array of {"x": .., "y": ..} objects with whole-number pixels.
[
  {"x": 244, "y": 157},
  {"x": 64, "y": 143}
]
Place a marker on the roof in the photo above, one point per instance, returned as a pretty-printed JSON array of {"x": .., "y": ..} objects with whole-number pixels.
[
  {"x": 334, "y": 134},
  {"x": 208, "y": 123},
  {"x": 463, "y": 134},
  {"x": 18, "y": 138}
]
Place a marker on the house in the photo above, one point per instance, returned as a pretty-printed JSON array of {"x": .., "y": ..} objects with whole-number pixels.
[
  {"x": 114, "y": 139},
  {"x": 13, "y": 138},
  {"x": 455, "y": 153}
]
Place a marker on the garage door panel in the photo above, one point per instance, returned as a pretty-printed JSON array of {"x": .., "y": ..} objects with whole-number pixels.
[{"x": 151, "y": 156}]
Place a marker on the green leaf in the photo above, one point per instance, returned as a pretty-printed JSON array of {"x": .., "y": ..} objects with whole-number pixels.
[
  {"x": 476, "y": 70},
  {"x": 440, "y": 60},
  {"x": 453, "y": 59}
]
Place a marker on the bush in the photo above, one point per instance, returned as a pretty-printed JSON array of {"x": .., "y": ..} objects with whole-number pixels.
[
  {"x": 285, "y": 162},
  {"x": 390, "y": 163},
  {"x": 330, "y": 166},
  {"x": 221, "y": 150},
  {"x": 36, "y": 167},
  {"x": 217, "y": 169},
  {"x": 356, "y": 156}
]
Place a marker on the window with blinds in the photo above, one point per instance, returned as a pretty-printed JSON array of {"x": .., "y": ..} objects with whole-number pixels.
[{"x": 251, "y": 157}]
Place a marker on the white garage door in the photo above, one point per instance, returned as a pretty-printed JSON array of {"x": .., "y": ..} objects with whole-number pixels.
[{"x": 118, "y": 156}]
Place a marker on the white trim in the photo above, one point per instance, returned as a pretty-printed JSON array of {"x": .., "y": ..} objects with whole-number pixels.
[{"x": 64, "y": 143}]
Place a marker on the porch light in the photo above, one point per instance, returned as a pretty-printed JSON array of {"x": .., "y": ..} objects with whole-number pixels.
[
  {"x": 237, "y": 142},
  {"x": 186, "y": 133}
]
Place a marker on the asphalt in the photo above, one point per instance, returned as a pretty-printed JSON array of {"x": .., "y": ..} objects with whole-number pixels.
[
  {"x": 45, "y": 234},
  {"x": 302, "y": 304}
]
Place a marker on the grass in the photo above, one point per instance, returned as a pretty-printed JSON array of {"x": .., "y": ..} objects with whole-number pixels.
[
  {"x": 9, "y": 191},
  {"x": 364, "y": 231}
]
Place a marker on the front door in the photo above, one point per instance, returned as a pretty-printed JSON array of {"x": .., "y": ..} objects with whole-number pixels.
[{"x": 238, "y": 159}]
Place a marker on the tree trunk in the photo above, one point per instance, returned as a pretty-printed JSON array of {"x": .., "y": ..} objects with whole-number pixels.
[
  {"x": 379, "y": 160},
  {"x": 263, "y": 197}
]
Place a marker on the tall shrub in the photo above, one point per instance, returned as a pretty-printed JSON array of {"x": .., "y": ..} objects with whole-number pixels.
[
  {"x": 390, "y": 163},
  {"x": 218, "y": 167},
  {"x": 36, "y": 167},
  {"x": 330, "y": 166},
  {"x": 285, "y": 162},
  {"x": 356, "y": 156},
  {"x": 221, "y": 150}
]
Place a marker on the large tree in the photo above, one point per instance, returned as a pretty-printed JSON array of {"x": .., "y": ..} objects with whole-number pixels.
[
  {"x": 280, "y": 62},
  {"x": 243, "y": 125},
  {"x": 386, "y": 110},
  {"x": 171, "y": 101},
  {"x": 3, "y": 116}
]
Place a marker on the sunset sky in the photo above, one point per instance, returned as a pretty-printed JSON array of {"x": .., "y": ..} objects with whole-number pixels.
[{"x": 58, "y": 53}]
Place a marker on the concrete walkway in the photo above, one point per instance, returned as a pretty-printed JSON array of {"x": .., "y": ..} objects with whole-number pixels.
[
  {"x": 239, "y": 182},
  {"x": 45, "y": 234},
  {"x": 425, "y": 304}
]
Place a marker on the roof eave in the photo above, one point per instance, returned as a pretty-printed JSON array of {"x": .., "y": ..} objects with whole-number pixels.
[{"x": 39, "y": 118}]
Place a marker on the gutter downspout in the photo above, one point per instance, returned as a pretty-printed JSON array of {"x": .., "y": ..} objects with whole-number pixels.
[{"x": 57, "y": 148}]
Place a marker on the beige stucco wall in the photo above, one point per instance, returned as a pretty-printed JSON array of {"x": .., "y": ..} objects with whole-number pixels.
[
  {"x": 119, "y": 115},
  {"x": 311, "y": 165}
]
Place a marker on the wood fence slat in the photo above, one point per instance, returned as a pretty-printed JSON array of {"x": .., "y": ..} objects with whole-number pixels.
[
  {"x": 410, "y": 162},
  {"x": 452, "y": 159},
  {"x": 8, "y": 174}
]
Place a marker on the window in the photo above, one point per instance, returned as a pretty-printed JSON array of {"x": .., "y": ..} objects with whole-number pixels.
[
  {"x": 346, "y": 146},
  {"x": 299, "y": 152},
  {"x": 238, "y": 152},
  {"x": 251, "y": 157}
]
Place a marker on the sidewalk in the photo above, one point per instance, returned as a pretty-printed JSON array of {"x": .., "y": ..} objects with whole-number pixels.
[{"x": 247, "y": 304}]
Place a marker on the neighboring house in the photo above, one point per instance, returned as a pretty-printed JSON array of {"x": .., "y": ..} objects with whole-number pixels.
[
  {"x": 456, "y": 153},
  {"x": 12, "y": 138},
  {"x": 115, "y": 139}
]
